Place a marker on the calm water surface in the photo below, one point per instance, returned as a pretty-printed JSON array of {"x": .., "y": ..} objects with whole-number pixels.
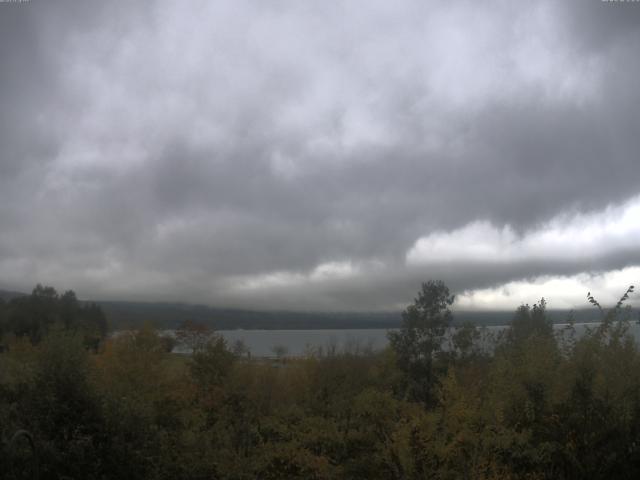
[{"x": 263, "y": 343}]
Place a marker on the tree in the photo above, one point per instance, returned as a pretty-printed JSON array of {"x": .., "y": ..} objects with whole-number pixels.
[
  {"x": 3, "y": 320},
  {"x": 241, "y": 349},
  {"x": 529, "y": 321},
  {"x": 33, "y": 315},
  {"x": 211, "y": 363},
  {"x": 63, "y": 409},
  {"x": 418, "y": 343},
  {"x": 69, "y": 307},
  {"x": 193, "y": 336},
  {"x": 93, "y": 323},
  {"x": 280, "y": 351},
  {"x": 465, "y": 341}
]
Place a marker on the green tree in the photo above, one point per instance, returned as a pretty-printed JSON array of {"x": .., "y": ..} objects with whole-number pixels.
[
  {"x": 418, "y": 343},
  {"x": 62, "y": 410},
  {"x": 465, "y": 341},
  {"x": 211, "y": 363},
  {"x": 33, "y": 315},
  {"x": 529, "y": 321}
]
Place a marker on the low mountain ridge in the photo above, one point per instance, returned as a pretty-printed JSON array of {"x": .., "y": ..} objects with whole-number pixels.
[
  {"x": 7, "y": 295},
  {"x": 169, "y": 315}
]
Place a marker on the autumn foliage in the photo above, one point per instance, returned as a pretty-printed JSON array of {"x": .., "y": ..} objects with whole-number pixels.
[{"x": 536, "y": 403}]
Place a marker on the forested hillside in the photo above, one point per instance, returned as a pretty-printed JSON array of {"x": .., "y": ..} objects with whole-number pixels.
[
  {"x": 126, "y": 315},
  {"x": 7, "y": 295},
  {"x": 123, "y": 315},
  {"x": 537, "y": 405}
]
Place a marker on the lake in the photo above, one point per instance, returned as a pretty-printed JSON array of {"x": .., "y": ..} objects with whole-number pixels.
[{"x": 262, "y": 343}]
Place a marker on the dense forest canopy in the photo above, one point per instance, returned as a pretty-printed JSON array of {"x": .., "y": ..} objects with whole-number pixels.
[
  {"x": 34, "y": 315},
  {"x": 538, "y": 405}
]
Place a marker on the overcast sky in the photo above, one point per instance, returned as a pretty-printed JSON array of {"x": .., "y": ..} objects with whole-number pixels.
[{"x": 321, "y": 155}]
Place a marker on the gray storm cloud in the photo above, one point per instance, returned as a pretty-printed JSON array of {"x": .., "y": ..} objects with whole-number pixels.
[{"x": 312, "y": 155}]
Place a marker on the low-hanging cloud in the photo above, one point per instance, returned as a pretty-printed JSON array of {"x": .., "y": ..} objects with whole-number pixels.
[{"x": 580, "y": 238}]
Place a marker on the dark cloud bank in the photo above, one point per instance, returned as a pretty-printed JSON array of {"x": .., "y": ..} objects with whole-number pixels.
[{"x": 291, "y": 156}]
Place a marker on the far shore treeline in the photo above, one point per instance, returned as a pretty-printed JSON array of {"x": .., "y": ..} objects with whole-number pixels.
[
  {"x": 123, "y": 315},
  {"x": 541, "y": 403}
]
